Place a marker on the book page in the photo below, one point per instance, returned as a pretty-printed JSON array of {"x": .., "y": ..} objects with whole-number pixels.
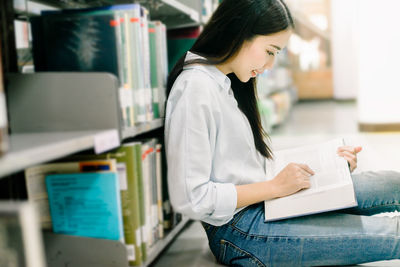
[{"x": 330, "y": 169}]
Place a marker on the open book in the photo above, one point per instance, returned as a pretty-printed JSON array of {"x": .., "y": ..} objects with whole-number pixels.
[{"x": 331, "y": 186}]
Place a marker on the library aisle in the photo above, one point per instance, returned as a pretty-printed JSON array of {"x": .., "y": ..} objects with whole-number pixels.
[{"x": 309, "y": 121}]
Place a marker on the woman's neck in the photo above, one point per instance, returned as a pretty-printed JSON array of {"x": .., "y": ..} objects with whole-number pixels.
[{"x": 225, "y": 68}]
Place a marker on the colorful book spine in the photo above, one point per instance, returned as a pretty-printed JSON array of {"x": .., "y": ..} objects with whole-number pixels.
[
  {"x": 154, "y": 69},
  {"x": 126, "y": 155}
]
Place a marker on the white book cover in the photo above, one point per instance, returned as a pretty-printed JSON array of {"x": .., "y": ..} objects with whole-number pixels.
[{"x": 331, "y": 185}]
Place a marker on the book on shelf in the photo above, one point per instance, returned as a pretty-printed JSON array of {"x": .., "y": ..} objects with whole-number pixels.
[
  {"x": 81, "y": 41},
  {"x": 144, "y": 27},
  {"x": 111, "y": 39},
  {"x": 154, "y": 69},
  {"x": 21, "y": 242},
  {"x": 148, "y": 192},
  {"x": 36, "y": 186},
  {"x": 162, "y": 64},
  {"x": 144, "y": 171},
  {"x": 155, "y": 186},
  {"x": 166, "y": 204},
  {"x": 331, "y": 185},
  {"x": 158, "y": 170},
  {"x": 86, "y": 204},
  {"x": 4, "y": 141},
  {"x": 126, "y": 155},
  {"x": 141, "y": 191}
]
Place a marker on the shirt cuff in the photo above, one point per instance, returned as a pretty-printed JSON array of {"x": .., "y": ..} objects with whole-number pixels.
[{"x": 226, "y": 201}]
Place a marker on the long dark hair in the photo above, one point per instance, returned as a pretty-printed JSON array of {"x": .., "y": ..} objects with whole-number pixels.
[{"x": 233, "y": 23}]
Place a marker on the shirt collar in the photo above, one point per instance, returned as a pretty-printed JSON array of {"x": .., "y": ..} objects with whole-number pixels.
[{"x": 223, "y": 80}]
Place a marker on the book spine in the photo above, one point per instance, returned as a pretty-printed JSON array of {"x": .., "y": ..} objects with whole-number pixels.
[
  {"x": 154, "y": 69},
  {"x": 147, "y": 183},
  {"x": 162, "y": 64},
  {"x": 139, "y": 92},
  {"x": 118, "y": 23},
  {"x": 130, "y": 204},
  {"x": 146, "y": 63},
  {"x": 139, "y": 170},
  {"x": 154, "y": 202},
  {"x": 4, "y": 143},
  {"x": 159, "y": 192},
  {"x": 128, "y": 69}
]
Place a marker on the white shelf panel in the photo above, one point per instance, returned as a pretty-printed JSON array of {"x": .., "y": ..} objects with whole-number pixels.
[
  {"x": 142, "y": 128},
  {"x": 156, "y": 250},
  {"x": 29, "y": 149}
]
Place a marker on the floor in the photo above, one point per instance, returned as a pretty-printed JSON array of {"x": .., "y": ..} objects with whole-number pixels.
[{"x": 308, "y": 123}]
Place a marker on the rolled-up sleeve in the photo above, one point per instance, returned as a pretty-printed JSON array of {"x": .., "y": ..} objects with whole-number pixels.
[{"x": 190, "y": 135}]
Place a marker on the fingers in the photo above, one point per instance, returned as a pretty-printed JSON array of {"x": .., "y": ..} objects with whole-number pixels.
[
  {"x": 351, "y": 149},
  {"x": 306, "y": 172},
  {"x": 351, "y": 159},
  {"x": 307, "y": 169}
]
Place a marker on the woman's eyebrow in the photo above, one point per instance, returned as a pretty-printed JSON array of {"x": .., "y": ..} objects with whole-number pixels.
[{"x": 277, "y": 47}]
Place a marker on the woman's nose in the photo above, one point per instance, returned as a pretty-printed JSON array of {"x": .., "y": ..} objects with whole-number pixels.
[{"x": 268, "y": 65}]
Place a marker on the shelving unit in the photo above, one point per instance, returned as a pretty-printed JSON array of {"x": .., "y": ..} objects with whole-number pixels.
[
  {"x": 35, "y": 142},
  {"x": 174, "y": 13},
  {"x": 29, "y": 149},
  {"x": 106, "y": 252}
]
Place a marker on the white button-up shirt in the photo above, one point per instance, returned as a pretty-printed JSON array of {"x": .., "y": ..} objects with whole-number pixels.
[{"x": 209, "y": 144}]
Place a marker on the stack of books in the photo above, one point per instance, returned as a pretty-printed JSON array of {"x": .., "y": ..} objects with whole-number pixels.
[
  {"x": 117, "y": 195},
  {"x": 118, "y": 39}
]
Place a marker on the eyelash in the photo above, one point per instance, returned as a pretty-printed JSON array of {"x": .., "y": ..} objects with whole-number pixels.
[{"x": 270, "y": 53}]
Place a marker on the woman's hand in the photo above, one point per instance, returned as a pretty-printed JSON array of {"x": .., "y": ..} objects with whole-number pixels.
[
  {"x": 292, "y": 178},
  {"x": 350, "y": 154}
]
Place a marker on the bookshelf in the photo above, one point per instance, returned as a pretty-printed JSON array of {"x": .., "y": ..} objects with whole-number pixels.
[
  {"x": 36, "y": 141},
  {"x": 28, "y": 149}
]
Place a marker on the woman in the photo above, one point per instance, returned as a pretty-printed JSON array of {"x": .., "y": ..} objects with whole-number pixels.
[{"x": 216, "y": 149}]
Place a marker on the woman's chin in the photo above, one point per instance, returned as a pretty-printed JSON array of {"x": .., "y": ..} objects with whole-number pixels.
[{"x": 244, "y": 79}]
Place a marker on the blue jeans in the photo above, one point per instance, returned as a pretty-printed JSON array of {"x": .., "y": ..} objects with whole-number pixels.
[{"x": 343, "y": 237}]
